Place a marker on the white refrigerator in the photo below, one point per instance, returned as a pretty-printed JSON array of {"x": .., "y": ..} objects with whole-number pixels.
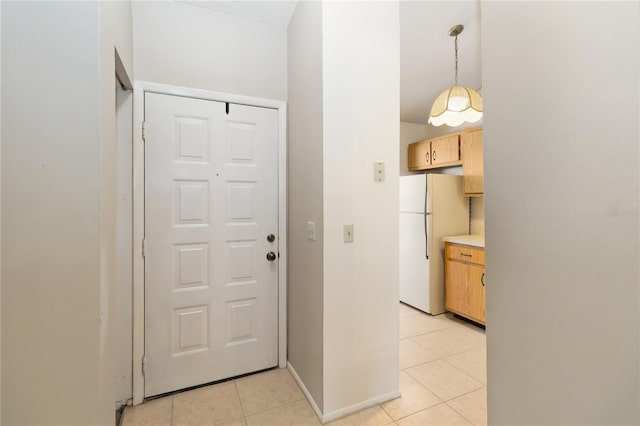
[{"x": 432, "y": 206}]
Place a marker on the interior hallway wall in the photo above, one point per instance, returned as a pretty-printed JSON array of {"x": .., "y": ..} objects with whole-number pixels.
[
  {"x": 305, "y": 197},
  {"x": 183, "y": 45},
  {"x": 124, "y": 249},
  {"x": 361, "y": 51},
  {"x": 50, "y": 213},
  {"x": 116, "y": 34},
  {"x": 562, "y": 211},
  {"x": 58, "y": 209}
]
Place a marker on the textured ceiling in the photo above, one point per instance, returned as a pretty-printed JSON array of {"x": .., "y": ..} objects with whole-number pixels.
[
  {"x": 268, "y": 11},
  {"x": 426, "y": 49}
]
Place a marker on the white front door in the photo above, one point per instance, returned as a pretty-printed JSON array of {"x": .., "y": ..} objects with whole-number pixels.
[{"x": 211, "y": 273}]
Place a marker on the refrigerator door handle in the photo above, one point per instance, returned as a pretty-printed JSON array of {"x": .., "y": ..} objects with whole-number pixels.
[
  {"x": 426, "y": 238},
  {"x": 426, "y": 233}
]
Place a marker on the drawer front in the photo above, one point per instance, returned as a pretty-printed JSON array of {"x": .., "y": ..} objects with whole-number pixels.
[{"x": 465, "y": 253}]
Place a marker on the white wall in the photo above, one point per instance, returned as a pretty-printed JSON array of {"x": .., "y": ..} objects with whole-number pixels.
[
  {"x": 562, "y": 203},
  {"x": 116, "y": 33},
  {"x": 305, "y": 197},
  {"x": 183, "y": 45},
  {"x": 58, "y": 209},
  {"x": 124, "y": 246},
  {"x": 360, "y": 111},
  {"x": 50, "y": 213}
]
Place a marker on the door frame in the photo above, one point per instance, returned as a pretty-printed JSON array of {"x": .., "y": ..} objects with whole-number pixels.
[{"x": 139, "y": 90}]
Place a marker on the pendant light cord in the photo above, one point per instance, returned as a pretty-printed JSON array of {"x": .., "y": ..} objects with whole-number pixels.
[{"x": 456, "y": 49}]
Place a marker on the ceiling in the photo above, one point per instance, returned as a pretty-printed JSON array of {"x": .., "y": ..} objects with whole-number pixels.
[
  {"x": 427, "y": 53},
  {"x": 426, "y": 49},
  {"x": 273, "y": 12}
]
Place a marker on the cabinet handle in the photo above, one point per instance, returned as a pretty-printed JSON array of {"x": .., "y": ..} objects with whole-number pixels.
[
  {"x": 466, "y": 255},
  {"x": 482, "y": 280},
  {"x": 426, "y": 157},
  {"x": 434, "y": 156}
]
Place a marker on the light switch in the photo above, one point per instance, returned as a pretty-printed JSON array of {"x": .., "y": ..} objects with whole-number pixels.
[
  {"x": 378, "y": 171},
  {"x": 311, "y": 231},
  {"x": 348, "y": 233}
]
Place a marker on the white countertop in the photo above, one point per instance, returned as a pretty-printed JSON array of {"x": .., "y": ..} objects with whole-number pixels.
[{"x": 470, "y": 240}]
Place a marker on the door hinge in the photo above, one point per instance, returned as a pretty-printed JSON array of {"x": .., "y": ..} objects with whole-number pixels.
[
  {"x": 144, "y": 247},
  {"x": 144, "y": 365},
  {"x": 144, "y": 130}
]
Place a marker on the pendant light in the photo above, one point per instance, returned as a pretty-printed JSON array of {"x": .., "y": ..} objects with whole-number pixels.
[{"x": 456, "y": 104}]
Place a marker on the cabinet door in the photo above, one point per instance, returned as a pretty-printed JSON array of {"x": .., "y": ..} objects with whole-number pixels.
[
  {"x": 445, "y": 150},
  {"x": 454, "y": 287},
  {"x": 476, "y": 293},
  {"x": 464, "y": 290},
  {"x": 419, "y": 155},
  {"x": 472, "y": 163}
]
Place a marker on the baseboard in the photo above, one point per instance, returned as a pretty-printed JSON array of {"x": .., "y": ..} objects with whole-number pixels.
[
  {"x": 305, "y": 390},
  {"x": 360, "y": 406},
  {"x": 325, "y": 418}
]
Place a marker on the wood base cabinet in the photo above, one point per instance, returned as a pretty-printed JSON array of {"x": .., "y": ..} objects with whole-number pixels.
[{"x": 464, "y": 281}]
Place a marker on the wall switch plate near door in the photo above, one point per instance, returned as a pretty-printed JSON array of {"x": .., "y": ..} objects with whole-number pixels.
[
  {"x": 348, "y": 233},
  {"x": 311, "y": 231}
]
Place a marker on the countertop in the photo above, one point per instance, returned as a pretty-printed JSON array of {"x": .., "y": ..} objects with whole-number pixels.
[{"x": 469, "y": 240}]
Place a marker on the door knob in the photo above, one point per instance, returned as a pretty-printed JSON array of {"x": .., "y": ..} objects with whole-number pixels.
[
  {"x": 271, "y": 256},
  {"x": 271, "y": 238}
]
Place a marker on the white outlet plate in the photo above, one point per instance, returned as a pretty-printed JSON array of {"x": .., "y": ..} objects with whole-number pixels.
[
  {"x": 348, "y": 233},
  {"x": 378, "y": 171},
  {"x": 311, "y": 231}
]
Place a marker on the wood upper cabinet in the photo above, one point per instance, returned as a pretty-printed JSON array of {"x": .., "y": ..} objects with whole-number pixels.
[
  {"x": 432, "y": 153},
  {"x": 472, "y": 162},
  {"x": 419, "y": 155},
  {"x": 445, "y": 150},
  {"x": 465, "y": 292}
]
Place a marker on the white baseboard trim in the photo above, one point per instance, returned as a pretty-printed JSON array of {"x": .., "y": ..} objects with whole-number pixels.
[
  {"x": 305, "y": 391},
  {"x": 325, "y": 418},
  {"x": 360, "y": 406}
]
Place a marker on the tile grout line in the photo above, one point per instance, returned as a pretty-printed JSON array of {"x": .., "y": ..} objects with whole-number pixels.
[
  {"x": 458, "y": 396},
  {"x": 276, "y": 406},
  {"x": 465, "y": 373},
  {"x": 246, "y": 414},
  {"x": 421, "y": 410},
  {"x": 452, "y": 354},
  {"x": 462, "y": 415},
  {"x": 172, "y": 400}
]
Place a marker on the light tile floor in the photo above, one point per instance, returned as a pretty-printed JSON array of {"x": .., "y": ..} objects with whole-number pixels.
[{"x": 443, "y": 380}]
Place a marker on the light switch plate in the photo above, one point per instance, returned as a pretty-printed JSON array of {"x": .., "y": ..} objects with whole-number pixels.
[
  {"x": 348, "y": 233},
  {"x": 378, "y": 171},
  {"x": 311, "y": 231}
]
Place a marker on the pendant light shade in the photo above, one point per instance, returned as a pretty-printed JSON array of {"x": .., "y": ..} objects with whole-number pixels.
[{"x": 457, "y": 104}]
